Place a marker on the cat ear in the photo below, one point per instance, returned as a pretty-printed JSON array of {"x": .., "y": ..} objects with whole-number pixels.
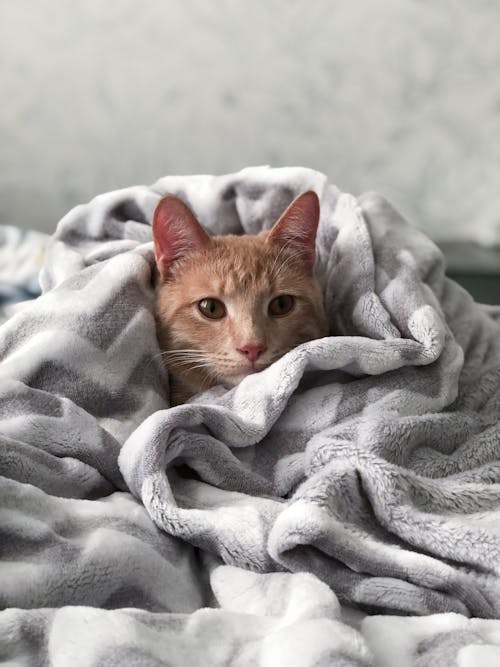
[
  {"x": 297, "y": 227},
  {"x": 176, "y": 232}
]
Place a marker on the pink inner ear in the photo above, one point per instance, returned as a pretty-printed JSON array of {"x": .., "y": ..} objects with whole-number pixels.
[
  {"x": 176, "y": 233},
  {"x": 298, "y": 225}
]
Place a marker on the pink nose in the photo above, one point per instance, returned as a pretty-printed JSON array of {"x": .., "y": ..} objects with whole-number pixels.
[{"x": 252, "y": 352}]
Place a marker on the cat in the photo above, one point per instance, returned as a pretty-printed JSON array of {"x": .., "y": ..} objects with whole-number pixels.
[{"x": 227, "y": 306}]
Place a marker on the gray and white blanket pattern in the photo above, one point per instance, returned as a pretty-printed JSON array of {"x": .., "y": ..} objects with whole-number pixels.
[{"x": 362, "y": 467}]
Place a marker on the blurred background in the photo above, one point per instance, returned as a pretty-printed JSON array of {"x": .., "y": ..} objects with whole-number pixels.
[{"x": 400, "y": 96}]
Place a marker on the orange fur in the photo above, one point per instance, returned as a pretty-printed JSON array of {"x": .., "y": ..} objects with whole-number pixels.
[{"x": 245, "y": 273}]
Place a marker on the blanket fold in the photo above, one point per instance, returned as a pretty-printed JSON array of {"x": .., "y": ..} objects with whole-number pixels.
[{"x": 367, "y": 460}]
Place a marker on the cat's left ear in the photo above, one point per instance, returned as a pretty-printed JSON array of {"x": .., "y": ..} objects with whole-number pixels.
[
  {"x": 297, "y": 227},
  {"x": 176, "y": 233}
]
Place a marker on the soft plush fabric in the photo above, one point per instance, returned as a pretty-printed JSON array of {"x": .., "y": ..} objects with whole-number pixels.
[{"x": 367, "y": 461}]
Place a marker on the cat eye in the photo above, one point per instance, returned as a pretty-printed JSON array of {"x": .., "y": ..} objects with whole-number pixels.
[
  {"x": 281, "y": 305},
  {"x": 212, "y": 308}
]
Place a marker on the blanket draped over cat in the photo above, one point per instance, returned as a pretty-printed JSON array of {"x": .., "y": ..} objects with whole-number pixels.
[{"x": 360, "y": 467}]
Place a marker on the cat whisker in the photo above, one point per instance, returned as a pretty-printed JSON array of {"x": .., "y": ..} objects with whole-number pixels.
[
  {"x": 210, "y": 359},
  {"x": 186, "y": 357},
  {"x": 184, "y": 351},
  {"x": 202, "y": 361},
  {"x": 198, "y": 366},
  {"x": 185, "y": 360},
  {"x": 186, "y": 363},
  {"x": 180, "y": 354}
]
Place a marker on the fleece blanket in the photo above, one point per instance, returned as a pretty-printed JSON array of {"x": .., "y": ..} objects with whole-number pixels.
[{"x": 361, "y": 468}]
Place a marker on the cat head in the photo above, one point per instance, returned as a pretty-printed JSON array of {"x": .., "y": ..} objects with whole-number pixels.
[{"x": 230, "y": 305}]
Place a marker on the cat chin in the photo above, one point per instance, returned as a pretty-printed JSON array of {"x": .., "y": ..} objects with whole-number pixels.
[{"x": 232, "y": 380}]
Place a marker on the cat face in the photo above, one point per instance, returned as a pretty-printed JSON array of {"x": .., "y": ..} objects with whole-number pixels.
[{"x": 230, "y": 305}]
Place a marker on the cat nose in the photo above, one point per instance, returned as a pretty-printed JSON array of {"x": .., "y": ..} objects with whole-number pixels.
[{"x": 252, "y": 352}]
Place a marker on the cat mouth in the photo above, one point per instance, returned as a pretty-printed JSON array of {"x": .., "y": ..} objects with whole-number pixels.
[{"x": 254, "y": 367}]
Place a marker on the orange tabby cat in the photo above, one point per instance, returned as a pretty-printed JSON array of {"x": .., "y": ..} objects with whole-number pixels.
[{"x": 228, "y": 306}]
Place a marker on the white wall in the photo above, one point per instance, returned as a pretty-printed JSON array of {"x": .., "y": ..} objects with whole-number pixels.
[{"x": 402, "y": 96}]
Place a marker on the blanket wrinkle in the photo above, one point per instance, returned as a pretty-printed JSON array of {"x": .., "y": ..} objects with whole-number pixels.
[{"x": 361, "y": 468}]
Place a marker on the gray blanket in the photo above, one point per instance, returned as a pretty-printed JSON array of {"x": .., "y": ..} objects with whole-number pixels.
[{"x": 367, "y": 461}]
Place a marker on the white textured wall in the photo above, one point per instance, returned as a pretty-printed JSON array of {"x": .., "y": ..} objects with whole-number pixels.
[{"x": 402, "y": 96}]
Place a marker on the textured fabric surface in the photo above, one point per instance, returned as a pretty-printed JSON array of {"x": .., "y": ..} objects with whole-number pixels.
[
  {"x": 439, "y": 639},
  {"x": 366, "y": 460}
]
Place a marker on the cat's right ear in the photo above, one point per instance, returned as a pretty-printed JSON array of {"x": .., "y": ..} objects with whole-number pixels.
[
  {"x": 176, "y": 233},
  {"x": 297, "y": 226}
]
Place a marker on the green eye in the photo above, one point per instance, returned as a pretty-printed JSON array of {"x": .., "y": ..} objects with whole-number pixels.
[
  {"x": 281, "y": 305},
  {"x": 212, "y": 308}
]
